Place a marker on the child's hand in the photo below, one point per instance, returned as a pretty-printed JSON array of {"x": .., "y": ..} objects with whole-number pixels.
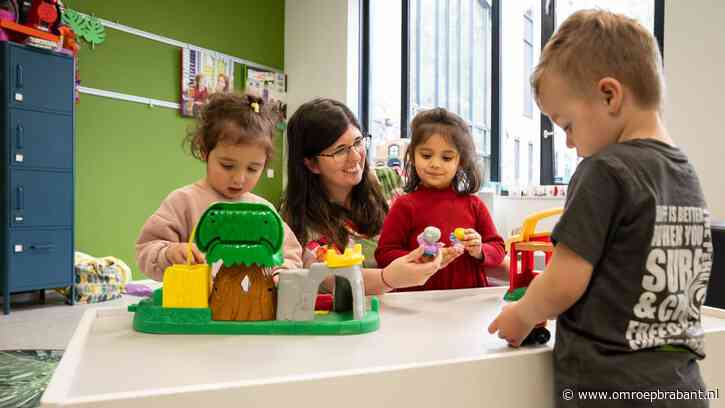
[
  {"x": 511, "y": 325},
  {"x": 450, "y": 254},
  {"x": 177, "y": 253},
  {"x": 472, "y": 243}
]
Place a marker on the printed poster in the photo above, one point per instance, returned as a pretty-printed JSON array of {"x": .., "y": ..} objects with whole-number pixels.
[
  {"x": 202, "y": 74},
  {"x": 271, "y": 87}
]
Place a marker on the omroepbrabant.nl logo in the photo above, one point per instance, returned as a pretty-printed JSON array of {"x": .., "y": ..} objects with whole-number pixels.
[{"x": 569, "y": 394}]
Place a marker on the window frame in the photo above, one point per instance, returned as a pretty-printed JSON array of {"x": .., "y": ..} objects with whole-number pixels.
[
  {"x": 548, "y": 25},
  {"x": 528, "y": 65},
  {"x": 495, "y": 56}
]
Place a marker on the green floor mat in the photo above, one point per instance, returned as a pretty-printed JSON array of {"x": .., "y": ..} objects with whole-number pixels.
[{"x": 24, "y": 374}]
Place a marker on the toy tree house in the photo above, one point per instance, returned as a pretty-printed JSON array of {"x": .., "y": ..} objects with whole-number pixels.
[{"x": 234, "y": 293}]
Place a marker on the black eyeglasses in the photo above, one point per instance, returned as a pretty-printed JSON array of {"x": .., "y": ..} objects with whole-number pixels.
[{"x": 340, "y": 155}]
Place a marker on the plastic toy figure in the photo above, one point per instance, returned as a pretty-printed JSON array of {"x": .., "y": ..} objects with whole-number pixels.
[
  {"x": 457, "y": 236},
  {"x": 429, "y": 240}
]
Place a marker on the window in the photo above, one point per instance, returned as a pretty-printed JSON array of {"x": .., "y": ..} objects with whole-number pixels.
[
  {"x": 464, "y": 55},
  {"x": 558, "y": 161},
  {"x": 531, "y": 163},
  {"x": 520, "y": 116},
  {"x": 385, "y": 78},
  {"x": 442, "y": 55},
  {"x": 450, "y": 48},
  {"x": 517, "y": 161},
  {"x": 528, "y": 62}
]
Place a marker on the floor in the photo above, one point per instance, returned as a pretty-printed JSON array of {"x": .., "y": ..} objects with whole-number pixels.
[
  {"x": 35, "y": 326},
  {"x": 32, "y": 338}
]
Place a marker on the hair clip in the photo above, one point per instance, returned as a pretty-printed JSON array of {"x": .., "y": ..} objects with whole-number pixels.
[{"x": 255, "y": 106}]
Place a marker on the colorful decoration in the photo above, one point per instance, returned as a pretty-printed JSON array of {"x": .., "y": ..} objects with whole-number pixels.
[
  {"x": 73, "y": 19},
  {"x": 89, "y": 28},
  {"x": 93, "y": 31}
]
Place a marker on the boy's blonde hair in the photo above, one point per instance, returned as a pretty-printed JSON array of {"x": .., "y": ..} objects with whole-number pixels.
[{"x": 593, "y": 44}]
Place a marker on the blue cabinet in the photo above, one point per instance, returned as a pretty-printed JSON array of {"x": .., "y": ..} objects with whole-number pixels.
[
  {"x": 37, "y": 141},
  {"x": 39, "y": 79},
  {"x": 36, "y": 168},
  {"x": 36, "y": 257}
]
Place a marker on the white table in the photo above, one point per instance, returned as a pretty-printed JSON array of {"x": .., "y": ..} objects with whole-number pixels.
[{"x": 432, "y": 350}]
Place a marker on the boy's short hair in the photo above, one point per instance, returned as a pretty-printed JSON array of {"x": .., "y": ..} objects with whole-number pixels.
[{"x": 593, "y": 44}]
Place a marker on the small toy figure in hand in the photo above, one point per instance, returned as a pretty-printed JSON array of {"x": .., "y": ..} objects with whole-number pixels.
[
  {"x": 428, "y": 239},
  {"x": 457, "y": 236}
]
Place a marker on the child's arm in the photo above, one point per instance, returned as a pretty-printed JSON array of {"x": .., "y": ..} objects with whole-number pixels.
[
  {"x": 292, "y": 250},
  {"x": 551, "y": 293},
  {"x": 393, "y": 242},
  {"x": 162, "y": 241}
]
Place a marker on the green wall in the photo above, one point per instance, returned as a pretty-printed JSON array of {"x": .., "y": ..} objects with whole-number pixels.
[{"x": 129, "y": 155}]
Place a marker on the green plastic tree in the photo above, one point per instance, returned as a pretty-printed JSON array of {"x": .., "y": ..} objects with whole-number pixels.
[{"x": 241, "y": 233}]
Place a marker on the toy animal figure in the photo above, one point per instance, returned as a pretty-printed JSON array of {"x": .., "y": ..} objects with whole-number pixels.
[{"x": 428, "y": 239}]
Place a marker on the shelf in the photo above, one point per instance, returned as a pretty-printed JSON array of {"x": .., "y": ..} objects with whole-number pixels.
[{"x": 28, "y": 31}]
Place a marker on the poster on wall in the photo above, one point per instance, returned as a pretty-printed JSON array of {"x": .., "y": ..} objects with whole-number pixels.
[
  {"x": 202, "y": 74},
  {"x": 271, "y": 87}
]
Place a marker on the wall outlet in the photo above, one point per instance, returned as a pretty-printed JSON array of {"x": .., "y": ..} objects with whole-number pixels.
[{"x": 270, "y": 173}]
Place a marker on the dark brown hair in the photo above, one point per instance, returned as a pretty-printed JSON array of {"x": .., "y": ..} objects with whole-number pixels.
[
  {"x": 315, "y": 126},
  {"x": 594, "y": 44},
  {"x": 233, "y": 119},
  {"x": 451, "y": 127}
]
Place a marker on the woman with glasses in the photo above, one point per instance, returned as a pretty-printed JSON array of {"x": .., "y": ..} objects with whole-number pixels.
[{"x": 332, "y": 198}]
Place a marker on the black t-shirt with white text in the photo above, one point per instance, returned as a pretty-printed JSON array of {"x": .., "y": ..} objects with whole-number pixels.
[{"x": 636, "y": 212}]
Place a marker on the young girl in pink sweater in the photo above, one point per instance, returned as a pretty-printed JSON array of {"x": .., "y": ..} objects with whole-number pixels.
[{"x": 234, "y": 137}]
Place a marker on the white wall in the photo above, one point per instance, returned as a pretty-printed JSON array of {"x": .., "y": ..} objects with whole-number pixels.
[
  {"x": 320, "y": 54},
  {"x": 695, "y": 74},
  {"x": 317, "y": 56}
]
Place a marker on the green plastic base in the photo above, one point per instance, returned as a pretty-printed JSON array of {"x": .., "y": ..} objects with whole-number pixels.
[
  {"x": 514, "y": 295},
  {"x": 151, "y": 317}
]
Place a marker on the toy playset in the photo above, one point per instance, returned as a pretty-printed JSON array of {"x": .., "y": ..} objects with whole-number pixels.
[
  {"x": 235, "y": 292},
  {"x": 523, "y": 246}
]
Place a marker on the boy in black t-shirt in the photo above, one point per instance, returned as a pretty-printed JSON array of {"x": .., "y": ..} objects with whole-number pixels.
[{"x": 633, "y": 250}]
